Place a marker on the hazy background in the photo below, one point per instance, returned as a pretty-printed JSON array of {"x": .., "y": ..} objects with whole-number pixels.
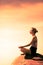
[{"x": 16, "y": 19}]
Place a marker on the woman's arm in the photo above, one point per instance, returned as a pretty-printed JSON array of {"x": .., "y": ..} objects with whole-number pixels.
[{"x": 27, "y": 44}]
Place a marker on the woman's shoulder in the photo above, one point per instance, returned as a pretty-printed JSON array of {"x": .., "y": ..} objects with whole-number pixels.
[{"x": 35, "y": 38}]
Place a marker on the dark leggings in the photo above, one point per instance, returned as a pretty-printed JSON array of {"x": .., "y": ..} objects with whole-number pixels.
[{"x": 33, "y": 51}]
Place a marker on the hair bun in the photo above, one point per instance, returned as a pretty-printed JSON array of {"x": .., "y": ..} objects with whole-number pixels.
[{"x": 34, "y": 30}]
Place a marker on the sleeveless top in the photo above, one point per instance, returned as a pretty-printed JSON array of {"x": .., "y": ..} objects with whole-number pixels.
[{"x": 34, "y": 42}]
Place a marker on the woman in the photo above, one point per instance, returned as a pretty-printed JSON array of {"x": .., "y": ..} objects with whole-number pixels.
[{"x": 33, "y": 44}]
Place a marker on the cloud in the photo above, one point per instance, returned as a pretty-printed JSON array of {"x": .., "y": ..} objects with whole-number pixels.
[{"x": 19, "y": 1}]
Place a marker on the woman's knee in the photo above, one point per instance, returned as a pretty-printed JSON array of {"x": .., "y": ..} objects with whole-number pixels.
[{"x": 22, "y": 49}]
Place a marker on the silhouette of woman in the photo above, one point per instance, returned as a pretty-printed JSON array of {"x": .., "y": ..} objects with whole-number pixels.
[{"x": 33, "y": 44}]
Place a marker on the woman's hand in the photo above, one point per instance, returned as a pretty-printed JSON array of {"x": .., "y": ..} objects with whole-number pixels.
[{"x": 20, "y": 46}]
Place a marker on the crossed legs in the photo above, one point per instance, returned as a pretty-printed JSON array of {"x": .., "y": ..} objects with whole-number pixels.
[{"x": 24, "y": 50}]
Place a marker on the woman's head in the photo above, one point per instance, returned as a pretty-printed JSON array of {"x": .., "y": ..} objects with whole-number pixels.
[{"x": 33, "y": 31}]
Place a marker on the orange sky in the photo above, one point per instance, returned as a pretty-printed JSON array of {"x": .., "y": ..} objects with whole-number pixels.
[{"x": 15, "y": 23}]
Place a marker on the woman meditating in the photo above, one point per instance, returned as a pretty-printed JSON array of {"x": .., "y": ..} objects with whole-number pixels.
[{"x": 32, "y": 44}]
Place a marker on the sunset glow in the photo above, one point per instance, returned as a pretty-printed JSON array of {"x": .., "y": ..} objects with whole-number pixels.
[{"x": 15, "y": 24}]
